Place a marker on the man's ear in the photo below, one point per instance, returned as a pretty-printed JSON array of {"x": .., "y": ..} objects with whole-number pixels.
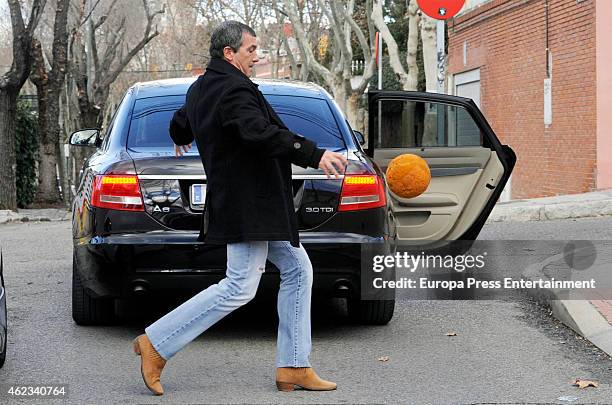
[{"x": 228, "y": 53}]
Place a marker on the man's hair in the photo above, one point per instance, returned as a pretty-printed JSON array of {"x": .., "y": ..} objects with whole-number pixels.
[{"x": 229, "y": 33}]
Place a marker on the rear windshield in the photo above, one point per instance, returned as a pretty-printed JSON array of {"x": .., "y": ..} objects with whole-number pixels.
[{"x": 310, "y": 117}]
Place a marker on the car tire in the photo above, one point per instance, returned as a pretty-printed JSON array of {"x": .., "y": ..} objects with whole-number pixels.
[
  {"x": 370, "y": 312},
  {"x": 3, "y": 357},
  {"x": 3, "y": 352},
  {"x": 87, "y": 310},
  {"x": 4, "y": 315}
]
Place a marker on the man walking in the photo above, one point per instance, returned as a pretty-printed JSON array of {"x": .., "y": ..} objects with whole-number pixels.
[{"x": 247, "y": 154}]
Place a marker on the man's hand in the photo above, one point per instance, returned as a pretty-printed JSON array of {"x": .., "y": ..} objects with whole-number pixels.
[
  {"x": 333, "y": 163},
  {"x": 179, "y": 150}
]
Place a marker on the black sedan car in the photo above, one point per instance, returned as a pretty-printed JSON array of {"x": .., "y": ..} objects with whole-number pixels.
[{"x": 138, "y": 208}]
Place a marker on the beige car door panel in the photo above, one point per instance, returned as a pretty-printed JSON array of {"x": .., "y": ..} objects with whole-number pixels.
[{"x": 453, "y": 200}]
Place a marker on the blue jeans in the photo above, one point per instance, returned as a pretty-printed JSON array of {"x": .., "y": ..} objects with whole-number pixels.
[{"x": 246, "y": 262}]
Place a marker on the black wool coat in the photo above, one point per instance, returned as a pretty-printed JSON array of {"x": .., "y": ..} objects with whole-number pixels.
[{"x": 247, "y": 153}]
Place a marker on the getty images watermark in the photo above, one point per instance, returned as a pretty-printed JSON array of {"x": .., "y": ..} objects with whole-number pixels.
[{"x": 487, "y": 270}]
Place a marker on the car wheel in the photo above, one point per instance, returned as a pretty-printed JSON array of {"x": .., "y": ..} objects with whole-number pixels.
[
  {"x": 3, "y": 317},
  {"x": 3, "y": 356},
  {"x": 4, "y": 334},
  {"x": 87, "y": 310},
  {"x": 370, "y": 312},
  {"x": 3, "y": 352}
]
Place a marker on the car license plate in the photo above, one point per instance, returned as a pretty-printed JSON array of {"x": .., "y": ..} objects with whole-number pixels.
[{"x": 198, "y": 194}]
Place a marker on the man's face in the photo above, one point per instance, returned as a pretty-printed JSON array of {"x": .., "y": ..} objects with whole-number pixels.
[{"x": 246, "y": 56}]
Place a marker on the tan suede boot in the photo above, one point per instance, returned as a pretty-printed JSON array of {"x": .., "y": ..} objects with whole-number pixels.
[
  {"x": 151, "y": 364},
  {"x": 305, "y": 377}
]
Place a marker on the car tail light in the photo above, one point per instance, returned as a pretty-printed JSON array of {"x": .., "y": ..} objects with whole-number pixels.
[
  {"x": 362, "y": 191},
  {"x": 117, "y": 192}
]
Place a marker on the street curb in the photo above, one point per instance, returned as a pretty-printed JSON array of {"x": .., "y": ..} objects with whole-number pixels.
[
  {"x": 579, "y": 315},
  {"x": 7, "y": 216},
  {"x": 532, "y": 211},
  {"x": 584, "y": 319}
]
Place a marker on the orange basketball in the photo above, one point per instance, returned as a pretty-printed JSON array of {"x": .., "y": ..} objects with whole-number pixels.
[{"x": 408, "y": 175}]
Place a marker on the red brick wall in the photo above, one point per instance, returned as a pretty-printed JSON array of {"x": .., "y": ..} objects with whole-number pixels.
[{"x": 507, "y": 40}]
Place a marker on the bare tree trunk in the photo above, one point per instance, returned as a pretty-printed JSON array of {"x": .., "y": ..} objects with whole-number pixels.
[
  {"x": 294, "y": 66},
  {"x": 49, "y": 86},
  {"x": 47, "y": 192},
  {"x": 430, "y": 65},
  {"x": 352, "y": 112},
  {"x": 10, "y": 85},
  {"x": 430, "y": 57},
  {"x": 285, "y": 40},
  {"x": 62, "y": 157},
  {"x": 274, "y": 59},
  {"x": 8, "y": 164},
  {"x": 412, "y": 45}
]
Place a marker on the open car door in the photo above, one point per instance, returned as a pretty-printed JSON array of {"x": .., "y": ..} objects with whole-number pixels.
[{"x": 469, "y": 166}]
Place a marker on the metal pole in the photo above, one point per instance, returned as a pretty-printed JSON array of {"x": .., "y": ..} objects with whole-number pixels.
[
  {"x": 440, "y": 25},
  {"x": 379, "y": 56}
]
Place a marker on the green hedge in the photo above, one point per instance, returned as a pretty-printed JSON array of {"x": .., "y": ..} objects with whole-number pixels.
[{"x": 26, "y": 147}]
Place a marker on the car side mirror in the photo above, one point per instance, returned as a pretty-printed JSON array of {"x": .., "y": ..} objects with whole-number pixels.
[
  {"x": 360, "y": 137},
  {"x": 86, "y": 137}
]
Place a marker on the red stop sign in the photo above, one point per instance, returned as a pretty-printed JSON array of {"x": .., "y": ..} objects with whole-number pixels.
[{"x": 441, "y": 9}]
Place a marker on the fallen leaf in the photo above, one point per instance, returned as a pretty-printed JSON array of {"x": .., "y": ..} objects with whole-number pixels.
[
  {"x": 585, "y": 383},
  {"x": 451, "y": 334},
  {"x": 383, "y": 358}
]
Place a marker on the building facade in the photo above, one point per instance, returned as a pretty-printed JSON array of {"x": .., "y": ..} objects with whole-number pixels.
[{"x": 539, "y": 69}]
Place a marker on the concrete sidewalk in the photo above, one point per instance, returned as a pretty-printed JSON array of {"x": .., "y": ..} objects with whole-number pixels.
[
  {"x": 43, "y": 214},
  {"x": 586, "y": 205}
]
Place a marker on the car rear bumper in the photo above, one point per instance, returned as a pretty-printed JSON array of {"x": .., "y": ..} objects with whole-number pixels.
[{"x": 130, "y": 264}]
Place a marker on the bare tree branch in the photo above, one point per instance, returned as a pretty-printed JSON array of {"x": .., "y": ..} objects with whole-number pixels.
[
  {"x": 22, "y": 42},
  {"x": 83, "y": 20},
  {"x": 147, "y": 37},
  {"x": 305, "y": 47},
  {"x": 35, "y": 14},
  {"x": 368, "y": 51},
  {"x": 394, "y": 60}
]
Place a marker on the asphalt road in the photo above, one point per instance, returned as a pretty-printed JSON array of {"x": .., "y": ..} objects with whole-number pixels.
[{"x": 504, "y": 352}]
